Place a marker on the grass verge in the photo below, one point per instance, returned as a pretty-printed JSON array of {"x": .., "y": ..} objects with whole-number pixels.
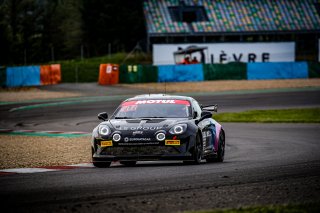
[
  {"x": 310, "y": 115},
  {"x": 296, "y": 208}
]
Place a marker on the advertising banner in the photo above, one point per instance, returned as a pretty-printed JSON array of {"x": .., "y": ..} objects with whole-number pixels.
[{"x": 210, "y": 53}]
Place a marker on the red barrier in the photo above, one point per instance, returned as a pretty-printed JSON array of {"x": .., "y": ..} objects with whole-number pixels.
[
  {"x": 45, "y": 74},
  {"x": 55, "y": 73},
  {"x": 50, "y": 74},
  {"x": 109, "y": 74}
]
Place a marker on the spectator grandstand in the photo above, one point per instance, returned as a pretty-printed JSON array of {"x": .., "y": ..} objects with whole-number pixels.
[
  {"x": 225, "y": 16},
  {"x": 171, "y": 21}
]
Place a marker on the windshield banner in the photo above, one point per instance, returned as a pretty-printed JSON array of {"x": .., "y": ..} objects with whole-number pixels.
[{"x": 181, "y": 102}]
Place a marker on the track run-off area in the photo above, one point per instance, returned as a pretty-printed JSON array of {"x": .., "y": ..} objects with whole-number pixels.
[{"x": 264, "y": 163}]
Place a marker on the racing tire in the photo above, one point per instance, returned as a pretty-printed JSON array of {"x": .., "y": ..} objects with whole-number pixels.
[
  {"x": 221, "y": 150},
  {"x": 128, "y": 163},
  {"x": 101, "y": 164},
  {"x": 197, "y": 153}
]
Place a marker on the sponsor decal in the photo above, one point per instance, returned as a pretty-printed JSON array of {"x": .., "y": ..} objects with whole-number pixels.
[
  {"x": 156, "y": 102},
  {"x": 139, "y": 139},
  {"x": 172, "y": 142},
  {"x": 129, "y": 108},
  {"x": 106, "y": 143},
  {"x": 134, "y": 103},
  {"x": 127, "y": 139},
  {"x": 139, "y": 128},
  {"x": 139, "y": 143},
  {"x": 137, "y": 133}
]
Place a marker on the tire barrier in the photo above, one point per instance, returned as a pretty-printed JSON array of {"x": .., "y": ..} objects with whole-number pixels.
[
  {"x": 53, "y": 74},
  {"x": 138, "y": 74},
  {"x": 314, "y": 69},
  {"x": 180, "y": 73},
  {"x": 230, "y": 71},
  {"x": 30, "y": 75},
  {"x": 50, "y": 74},
  {"x": 108, "y": 74},
  {"x": 279, "y": 70},
  {"x": 23, "y": 76}
]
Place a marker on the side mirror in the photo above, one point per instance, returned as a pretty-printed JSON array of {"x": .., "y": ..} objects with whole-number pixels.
[
  {"x": 205, "y": 114},
  {"x": 212, "y": 108},
  {"x": 103, "y": 116}
]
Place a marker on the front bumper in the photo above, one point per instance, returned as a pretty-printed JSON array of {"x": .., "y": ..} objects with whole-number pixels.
[
  {"x": 141, "y": 151},
  {"x": 109, "y": 158}
]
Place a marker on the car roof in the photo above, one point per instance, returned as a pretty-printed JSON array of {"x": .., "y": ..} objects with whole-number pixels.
[{"x": 159, "y": 96}]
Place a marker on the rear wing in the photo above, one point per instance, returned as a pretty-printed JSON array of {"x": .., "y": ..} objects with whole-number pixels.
[{"x": 211, "y": 108}]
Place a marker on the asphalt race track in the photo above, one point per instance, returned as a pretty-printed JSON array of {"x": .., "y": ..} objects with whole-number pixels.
[
  {"x": 83, "y": 116},
  {"x": 264, "y": 164}
]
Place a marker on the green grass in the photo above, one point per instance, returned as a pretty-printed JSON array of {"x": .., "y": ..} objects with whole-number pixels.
[
  {"x": 298, "y": 208},
  {"x": 311, "y": 115}
]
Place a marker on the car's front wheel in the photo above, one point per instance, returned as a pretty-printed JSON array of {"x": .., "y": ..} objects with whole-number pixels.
[
  {"x": 197, "y": 153},
  {"x": 101, "y": 164},
  {"x": 104, "y": 164}
]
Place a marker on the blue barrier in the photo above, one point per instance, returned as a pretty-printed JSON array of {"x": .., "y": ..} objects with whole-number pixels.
[
  {"x": 281, "y": 70},
  {"x": 180, "y": 73},
  {"x": 23, "y": 76}
]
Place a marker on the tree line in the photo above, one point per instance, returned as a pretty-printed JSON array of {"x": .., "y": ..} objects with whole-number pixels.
[{"x": 38, "y": 31}]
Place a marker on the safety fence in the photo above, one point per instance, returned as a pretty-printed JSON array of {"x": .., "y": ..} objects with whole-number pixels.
[{"x": 108, "y": 74}]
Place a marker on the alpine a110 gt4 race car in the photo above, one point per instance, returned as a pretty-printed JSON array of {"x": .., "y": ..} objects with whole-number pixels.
[{"x": 158, "y": 127}]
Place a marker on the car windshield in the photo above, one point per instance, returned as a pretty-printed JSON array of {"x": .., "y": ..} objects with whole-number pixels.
[{"x": 154, "y": 109}]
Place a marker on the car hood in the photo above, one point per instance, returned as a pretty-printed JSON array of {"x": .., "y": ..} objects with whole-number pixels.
[{"x": 148, "y": 124}]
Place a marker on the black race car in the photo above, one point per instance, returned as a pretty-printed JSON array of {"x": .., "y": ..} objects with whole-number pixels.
[{"x": 158, "y": 127}]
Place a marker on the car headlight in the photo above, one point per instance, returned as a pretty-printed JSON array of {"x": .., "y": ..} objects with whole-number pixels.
[
  {"x": 160, "y": 136},
  {"x": 116, "y": 137},
  {"x": 178, "y": 129},
  {"x": 104, "y": 130}
]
